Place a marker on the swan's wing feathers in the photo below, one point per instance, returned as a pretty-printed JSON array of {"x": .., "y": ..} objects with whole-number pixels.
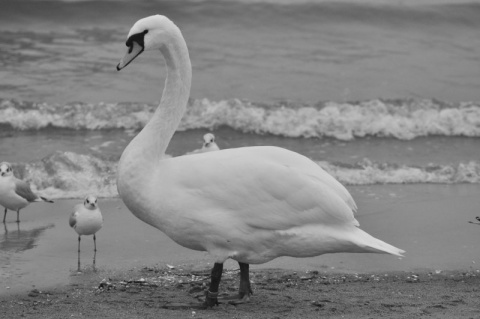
[
  {"x": 310, "y": 168},
  {"x": 296, "y": 199},
  {"x": 341, "y": 191},
  {"x": 264, "y": 190}
]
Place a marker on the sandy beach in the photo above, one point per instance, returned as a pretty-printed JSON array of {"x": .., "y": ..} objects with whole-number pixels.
[
  {"x": 438, "y": 277},
  {"x": 149, "y": 292}
]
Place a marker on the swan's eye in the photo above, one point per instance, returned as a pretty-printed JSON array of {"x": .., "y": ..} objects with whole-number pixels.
[{"x": 138, "y": 37}]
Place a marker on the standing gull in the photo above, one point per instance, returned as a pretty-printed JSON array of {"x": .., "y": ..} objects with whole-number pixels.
[
  {"x": 15, "y": 194},
  {"x": 87, "y": 219},
  {"x": 209, "y": 145},
  {"x": 250, "y": 204}
]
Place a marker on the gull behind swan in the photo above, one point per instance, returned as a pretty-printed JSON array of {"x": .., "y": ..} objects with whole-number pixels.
[
  {"x": 209, "y": 145},
  {"x": 15, "y": 194},
  {"x": 251, "y": 204}
]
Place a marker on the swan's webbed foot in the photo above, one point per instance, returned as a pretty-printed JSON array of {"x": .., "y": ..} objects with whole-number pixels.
[
  {"x": 183, "y": 306},
  {"x": 236, "y": 299},
  {"x": 240, "y": 300},
  {"x": 211, "y": 296},
  {"x": 245, "y": 289},
  {"x": 211, "y": 300}
]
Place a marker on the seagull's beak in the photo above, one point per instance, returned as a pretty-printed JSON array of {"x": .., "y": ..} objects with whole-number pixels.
[{"x": 132, "y": 53}]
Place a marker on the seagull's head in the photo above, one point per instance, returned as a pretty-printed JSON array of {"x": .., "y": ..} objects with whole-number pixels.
[
  {"x": 150, "y": 33},
  {"x": 90, "y": 202},
  {"x": 208, "y": 139},
  {"x": 5, "y": 169}
]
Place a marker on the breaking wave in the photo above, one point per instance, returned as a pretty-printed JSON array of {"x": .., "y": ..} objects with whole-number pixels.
[
  {"x": 71, "y": 175},
  {"x": 402, "y": 119}
]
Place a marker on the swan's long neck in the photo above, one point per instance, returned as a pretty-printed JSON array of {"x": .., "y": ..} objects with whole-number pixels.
[{"x": 149, "y": 146}]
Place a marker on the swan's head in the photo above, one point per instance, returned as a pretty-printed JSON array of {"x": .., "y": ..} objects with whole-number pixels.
[
  {"x": 5, "y": 169},
  {"x": 208, "y": 139},
  {"x": 90, "y": 202},
  {"x": 149, "y": 33}
]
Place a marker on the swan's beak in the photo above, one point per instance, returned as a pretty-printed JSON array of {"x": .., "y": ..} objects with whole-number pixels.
[{"x": 131, "y": 54}]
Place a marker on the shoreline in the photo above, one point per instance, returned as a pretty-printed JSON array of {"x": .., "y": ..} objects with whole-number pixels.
[
  {"x": 149, "y": 291},
  {"x": 438, "y": 277},
  {"x": 429, "y": 221}
]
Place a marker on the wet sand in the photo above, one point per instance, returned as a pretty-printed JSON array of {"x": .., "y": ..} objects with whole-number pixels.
[
  {"x": 430, "y": 222},
  {"x": 151, "y": 292}
]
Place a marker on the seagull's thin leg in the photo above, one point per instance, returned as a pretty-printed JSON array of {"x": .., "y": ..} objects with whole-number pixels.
[
  {"x": 79, "y": 238},
  {"x": 18, "y": 215},
  {"x": 94, "y": 250},
  {"x": 212, "y": 293},
  {"x": 4, "y": 215}
]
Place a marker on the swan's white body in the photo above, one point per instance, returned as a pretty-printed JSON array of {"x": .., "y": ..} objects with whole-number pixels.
[{"x": 250, "y": 204}]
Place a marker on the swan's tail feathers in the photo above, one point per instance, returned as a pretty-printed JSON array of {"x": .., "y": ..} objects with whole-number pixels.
[
  {"x": 46, "y": 199},
  {"x": 374, "y": 245}
]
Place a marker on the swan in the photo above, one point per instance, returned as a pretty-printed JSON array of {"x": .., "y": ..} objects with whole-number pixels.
[
  {"x": 86, "y": 219},
  {"x": 15, "y": 194},
  {"x": 209, "y": 145},
  {"x": 250, "y": 204}
]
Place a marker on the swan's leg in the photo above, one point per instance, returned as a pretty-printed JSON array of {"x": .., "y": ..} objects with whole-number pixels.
[
  {"x": 4, "y": 215},
  {"x": 18, "y": 215},
  {"x": 212, "y": 294},
  {"x": 245, "y": 289}
]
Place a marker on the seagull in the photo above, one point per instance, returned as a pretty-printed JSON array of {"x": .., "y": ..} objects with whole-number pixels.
[
  {"x": 15, "y": 194},
  {"x": 209, "y": 145},
  {"x": 87, "y": 219}
]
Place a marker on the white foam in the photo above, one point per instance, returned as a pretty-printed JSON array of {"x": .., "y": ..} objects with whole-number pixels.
[
  {"x": 401, "y": 119},
  {"x": 367, "y": 172},
  {"x": 71, "y": 175}
]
